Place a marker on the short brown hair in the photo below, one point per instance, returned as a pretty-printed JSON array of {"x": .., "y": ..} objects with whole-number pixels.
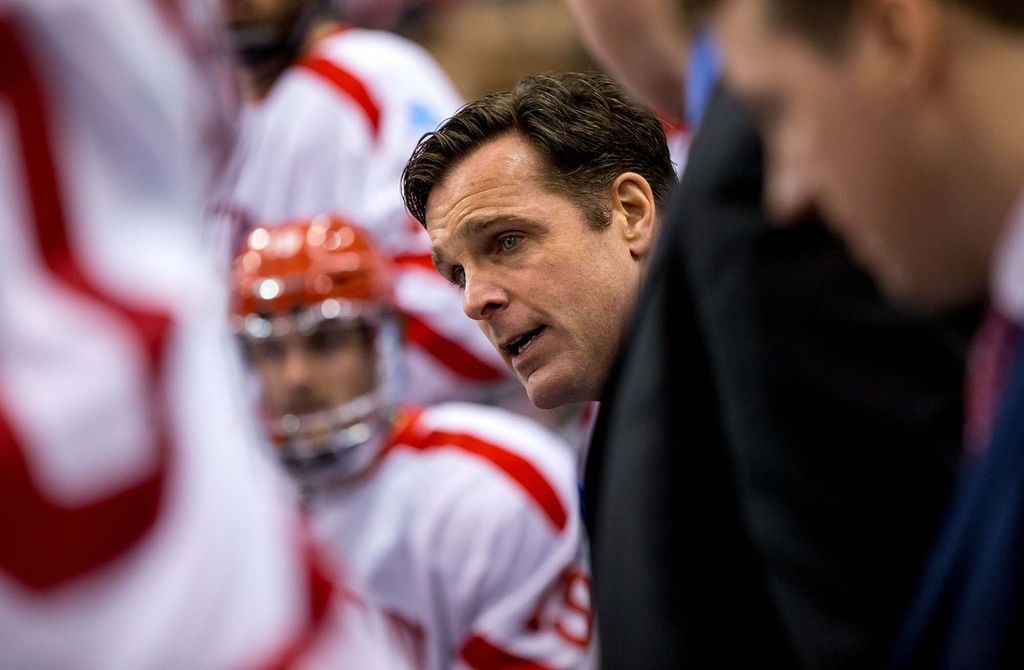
[{"x": 586, "y": 129}]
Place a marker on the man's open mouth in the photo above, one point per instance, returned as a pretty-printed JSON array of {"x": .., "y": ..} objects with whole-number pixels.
[{"x": 520, "y": 344}]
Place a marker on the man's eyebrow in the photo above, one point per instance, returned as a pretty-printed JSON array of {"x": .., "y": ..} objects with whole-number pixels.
[
  {"x": 474, "y": 227},
  {"x": 480, "y": 224}
]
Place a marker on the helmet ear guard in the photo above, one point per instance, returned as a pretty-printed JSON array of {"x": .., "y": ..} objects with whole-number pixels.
[{"x": 298, "y": 280}]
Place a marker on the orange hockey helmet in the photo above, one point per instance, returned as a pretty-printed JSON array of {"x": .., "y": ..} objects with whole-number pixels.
[
  {"x": 306, "y": 286},
  {"x": 303, "y": 263}
]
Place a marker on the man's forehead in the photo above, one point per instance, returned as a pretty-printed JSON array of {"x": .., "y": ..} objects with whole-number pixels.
[
  {"x": 501, "y": 161},
  {"x": 481, "y": 188}
]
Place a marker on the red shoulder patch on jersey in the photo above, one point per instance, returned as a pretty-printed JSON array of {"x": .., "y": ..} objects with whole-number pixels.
[
  {"x": 480, "y": 654},
  {"x": 520, "y": 470},
  {"x": 348, "y": 85}
]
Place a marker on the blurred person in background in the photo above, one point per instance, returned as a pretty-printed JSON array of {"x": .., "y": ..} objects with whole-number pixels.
[
  {"x": 901, "y": 120},
  {"x": 332, "y": 114},
  {"x": 136, "y": 529},
  {"x": 779, "y": 442},
  {"x": 489, "y": 45},
  {"x": 462, "y": 519},
  {"x": 653, "y": 71}
]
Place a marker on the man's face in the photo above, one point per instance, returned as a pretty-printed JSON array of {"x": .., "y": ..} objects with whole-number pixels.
[
  {"x": 307, "y": 373},
  {"x": 550, "y": 293},
  {"x": 859, "y": 135}
]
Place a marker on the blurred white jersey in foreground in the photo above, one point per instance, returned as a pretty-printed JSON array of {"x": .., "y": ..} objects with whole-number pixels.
[{"x": 138, "y": 528}]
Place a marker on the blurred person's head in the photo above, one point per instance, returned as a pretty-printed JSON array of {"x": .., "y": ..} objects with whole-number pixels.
[
  {"x": 541, "y": 203},
  {"x": 312, "y": 310},
  {"x": 899, "y": 119},
  {"x": 643, "y": 44},
  {"x": 265, "y": 36}
]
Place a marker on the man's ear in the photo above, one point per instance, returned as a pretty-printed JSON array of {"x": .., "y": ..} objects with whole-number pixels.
[{"x": 634, "y": 212}]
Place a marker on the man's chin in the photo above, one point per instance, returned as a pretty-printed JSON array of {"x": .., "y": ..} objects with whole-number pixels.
[{"x": 546, "y": 393}]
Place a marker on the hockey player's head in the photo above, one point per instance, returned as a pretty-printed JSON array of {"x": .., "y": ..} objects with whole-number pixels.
[
  {"x": 264, "y": 31},
  {"x": 312, "y": 309}
]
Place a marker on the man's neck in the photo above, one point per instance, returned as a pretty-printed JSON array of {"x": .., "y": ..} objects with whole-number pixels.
[{"x": 257, "y": 81}]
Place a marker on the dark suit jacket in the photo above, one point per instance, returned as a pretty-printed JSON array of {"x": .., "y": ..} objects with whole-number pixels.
[
  {"x": 969, "y": 612},
  {"x": 775, "y": 446}
]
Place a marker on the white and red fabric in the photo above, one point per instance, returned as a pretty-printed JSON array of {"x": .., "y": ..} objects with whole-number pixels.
[
  {"x": 332, "y": 137},
  {"x": 468, "y": 527},
  {"x": 991, "y": 352},
  {"x": 137, "y": 527},
  {"x": 679, "y": 136}
]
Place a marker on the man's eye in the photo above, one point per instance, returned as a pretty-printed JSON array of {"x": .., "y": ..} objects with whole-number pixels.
[
  {"x": 458, "y": 277},
  {"x": 509, "y": 242},
  {"x": 324, "y": 341},
  {"x": 330, "y": 339}
]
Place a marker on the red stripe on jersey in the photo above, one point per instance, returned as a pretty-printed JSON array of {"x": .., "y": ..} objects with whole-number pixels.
[
  {"x": 46, "y": 544},
  {"x": 480, "y": 654},
  {"x": 449, "y": 353},
  {"x": 520, "y": 470},
  {"x": 670, "y": 126},
  {"x": 348, "y": 85},
  {"x": 173, "y": 15},
  {"x": 423, "y": 261},
  {"x": 49, "y": 543}
]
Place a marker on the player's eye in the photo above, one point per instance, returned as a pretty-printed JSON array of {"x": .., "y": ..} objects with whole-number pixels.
[
  {"x": 264, "y": 350},
  {"x": 329, "y": 339}
]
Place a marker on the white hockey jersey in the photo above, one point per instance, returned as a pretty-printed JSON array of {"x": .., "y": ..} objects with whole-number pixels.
[
  {"x": 332, "y": 136},
  {"x": 468, "y": 527},
  {"x": 137, "y": 528}
]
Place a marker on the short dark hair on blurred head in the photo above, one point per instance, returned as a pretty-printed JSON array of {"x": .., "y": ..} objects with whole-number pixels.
[{"x": 585, "y": 128}]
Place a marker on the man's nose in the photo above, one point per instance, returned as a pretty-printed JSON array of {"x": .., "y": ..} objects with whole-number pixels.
[{"x": 483, "y": 296}]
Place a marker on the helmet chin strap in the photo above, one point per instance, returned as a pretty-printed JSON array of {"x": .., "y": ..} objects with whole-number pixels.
[
  {"x": 356, "y": 434},
  {"x": 257, "y": 45}
]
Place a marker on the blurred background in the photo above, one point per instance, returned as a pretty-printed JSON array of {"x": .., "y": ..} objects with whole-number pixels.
[{"x": 483, "y": 45}]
